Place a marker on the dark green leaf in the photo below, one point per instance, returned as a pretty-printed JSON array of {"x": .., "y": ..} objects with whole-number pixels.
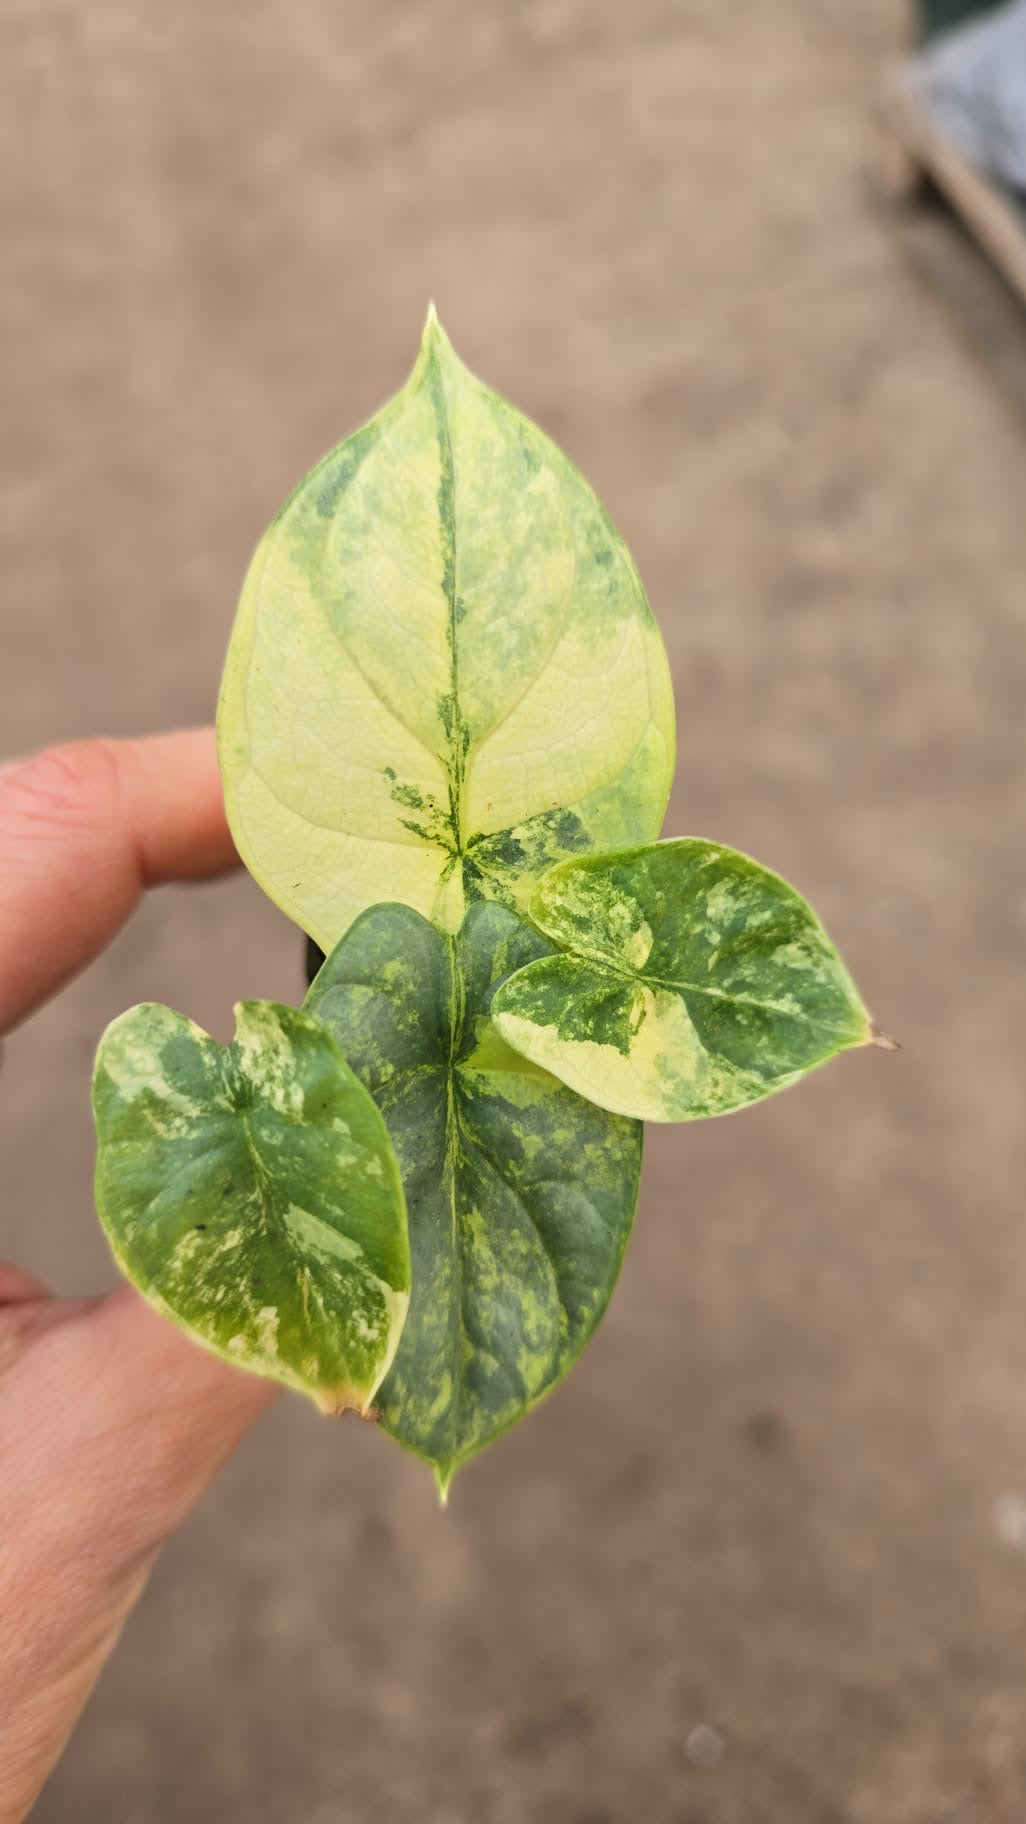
[{"x": 520, "y": 1194}]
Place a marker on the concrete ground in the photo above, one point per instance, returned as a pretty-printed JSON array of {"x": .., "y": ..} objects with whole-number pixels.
[{"x": 778, "y": 1498}]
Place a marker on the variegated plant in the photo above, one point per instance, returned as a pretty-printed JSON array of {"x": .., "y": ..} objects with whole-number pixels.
[{"x": 446, "y": 737}]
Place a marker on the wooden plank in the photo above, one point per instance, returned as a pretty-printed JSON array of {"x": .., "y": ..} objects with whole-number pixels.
[{"x": 987, "y": 212}]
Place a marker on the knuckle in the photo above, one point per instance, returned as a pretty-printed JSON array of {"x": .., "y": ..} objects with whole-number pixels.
[{"x": 70, "y": 787}]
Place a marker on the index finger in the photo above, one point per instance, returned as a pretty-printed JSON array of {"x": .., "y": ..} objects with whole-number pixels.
[{"x": 84, "y": 830}]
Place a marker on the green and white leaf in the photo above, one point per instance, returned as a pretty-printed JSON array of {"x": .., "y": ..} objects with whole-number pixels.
[
  {"x": 691, "y": 981},
  {"x": 250, "y": 1192},
  {"x": 444, "y": 674},
  {"x": 520, "y": 1194}
]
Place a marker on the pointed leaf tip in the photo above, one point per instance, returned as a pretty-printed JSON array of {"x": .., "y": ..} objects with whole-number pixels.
[{"x": 433, "y": 335}]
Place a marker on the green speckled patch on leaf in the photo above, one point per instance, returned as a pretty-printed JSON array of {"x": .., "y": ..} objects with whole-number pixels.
[
  {"x": 691, "y": 981},
  {"x": 444, "y": 675},
  {"x": 520, "y": 1194},
  {"x": 250, "y": 1192}
]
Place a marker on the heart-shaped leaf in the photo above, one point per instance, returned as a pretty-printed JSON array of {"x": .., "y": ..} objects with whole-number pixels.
[
  {"x": 520, "y": 1194},
  {"x": 692, "y": 981},
  {"x": 444, "y": 675},
  {"x": 250, "y": 1192}
]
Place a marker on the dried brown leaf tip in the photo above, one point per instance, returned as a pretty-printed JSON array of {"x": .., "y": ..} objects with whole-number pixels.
[{"x": 883, "y": 1040}]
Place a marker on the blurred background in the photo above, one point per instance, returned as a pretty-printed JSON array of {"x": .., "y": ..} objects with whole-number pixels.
[{"x": 761, "y": 1560}]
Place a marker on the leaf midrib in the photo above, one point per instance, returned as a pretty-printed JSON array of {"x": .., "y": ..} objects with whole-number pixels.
[
  {"x": 457, "y": 1140},
  {"x": 447, "y": 459},
  {"x": 644, "y": 980}
]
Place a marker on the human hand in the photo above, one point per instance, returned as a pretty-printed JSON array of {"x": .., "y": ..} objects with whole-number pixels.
[{"x": 111, "y": 1422}]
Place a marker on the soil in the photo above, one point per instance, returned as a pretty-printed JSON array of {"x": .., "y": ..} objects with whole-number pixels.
[{"x": 762, "y": 1558}]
